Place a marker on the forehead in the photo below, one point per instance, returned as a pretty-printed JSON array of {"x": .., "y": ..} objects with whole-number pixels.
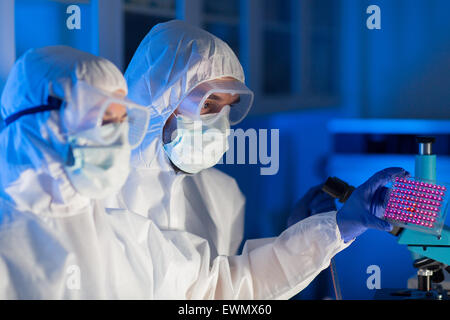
[{"x": 120, "y": 92}]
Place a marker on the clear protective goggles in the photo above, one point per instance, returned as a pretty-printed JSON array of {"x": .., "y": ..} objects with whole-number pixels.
[
  {"x": 192, "y": 104},
  {"x": 88, "y": 110}
]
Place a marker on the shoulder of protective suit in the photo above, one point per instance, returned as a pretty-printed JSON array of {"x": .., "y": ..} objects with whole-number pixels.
[{"x": 215, "y": 177}]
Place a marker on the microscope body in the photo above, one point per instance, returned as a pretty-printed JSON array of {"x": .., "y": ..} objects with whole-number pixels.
[{"x": 431, "y": 254}]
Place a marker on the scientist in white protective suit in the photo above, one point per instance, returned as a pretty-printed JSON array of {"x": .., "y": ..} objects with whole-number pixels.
[
  {"x": 196, "y": 85},
  {"x": 67, "y": 142}
]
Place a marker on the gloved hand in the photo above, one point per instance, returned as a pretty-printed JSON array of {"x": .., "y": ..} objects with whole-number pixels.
[
  {"x": 366, "y": 205},
  {"x": 314, "y": 201}
]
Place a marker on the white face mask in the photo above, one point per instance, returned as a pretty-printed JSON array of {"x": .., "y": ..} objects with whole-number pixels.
[
  {"x": 199, "y": 144},
  {"x": 98, "y": 171}
]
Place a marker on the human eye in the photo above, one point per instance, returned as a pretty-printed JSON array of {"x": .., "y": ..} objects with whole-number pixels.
[{"x": 209, "y": 107}]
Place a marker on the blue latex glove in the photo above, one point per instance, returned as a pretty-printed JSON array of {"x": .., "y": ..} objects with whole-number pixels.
[
  {"x": 366, "y": 205},
  {"x": 314, "y": 201}
]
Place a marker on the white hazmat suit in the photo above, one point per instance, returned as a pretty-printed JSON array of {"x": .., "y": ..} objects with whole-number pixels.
[
  {"x": 200, "y": 217},
  {"x": 54, "y": 242}
]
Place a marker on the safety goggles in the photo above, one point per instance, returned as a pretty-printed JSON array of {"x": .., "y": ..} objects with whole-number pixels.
[
  {"x": 192, "y": 104},
  {"x": 89, "y": 110}
]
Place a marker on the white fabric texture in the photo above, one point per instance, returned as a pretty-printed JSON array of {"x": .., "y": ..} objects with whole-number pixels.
[
  {"x": 197, "y": 220},
  {"x": 54, "y": 242}
]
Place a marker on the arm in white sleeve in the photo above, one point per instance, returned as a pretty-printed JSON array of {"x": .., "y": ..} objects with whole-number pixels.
[{"x": 271, "y": 268}]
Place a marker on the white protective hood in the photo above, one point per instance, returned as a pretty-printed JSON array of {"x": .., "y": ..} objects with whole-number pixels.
[
  {"x": 197, "y": 220},
  {"x": 33, "y": 148},
  {"x": 170, "y": 61},
  {"x": 49, "y": 233}
]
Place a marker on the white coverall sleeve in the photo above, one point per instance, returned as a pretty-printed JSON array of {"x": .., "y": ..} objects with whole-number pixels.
[{"x": 271, "y": 268}]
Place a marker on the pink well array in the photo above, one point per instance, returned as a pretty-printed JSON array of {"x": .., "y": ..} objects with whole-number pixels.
[{"x": 415, "y": 202}]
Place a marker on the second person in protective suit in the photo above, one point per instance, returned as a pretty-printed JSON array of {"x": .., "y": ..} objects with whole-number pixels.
[
  {"x": 196, "y": 84},
  {"x": 67, "y": 143}
]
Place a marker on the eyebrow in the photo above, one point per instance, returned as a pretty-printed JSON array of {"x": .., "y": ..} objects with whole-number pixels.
[
  {"x": 217, "y": 98},
  {"x": 111, "y": 114}
]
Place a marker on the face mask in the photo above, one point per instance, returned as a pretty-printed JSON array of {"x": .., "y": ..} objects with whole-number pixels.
[
  {"x": 199, "y": 144},
  {"x": 98, "y": 171}
]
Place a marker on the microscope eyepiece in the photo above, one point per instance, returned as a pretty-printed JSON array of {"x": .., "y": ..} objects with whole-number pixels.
[{"x": 425, "y": 145}]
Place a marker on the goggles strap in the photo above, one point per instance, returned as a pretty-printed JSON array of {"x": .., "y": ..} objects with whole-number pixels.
[{"x": 53, "y": 103}]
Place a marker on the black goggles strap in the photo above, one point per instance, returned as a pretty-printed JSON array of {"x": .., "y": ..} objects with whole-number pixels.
[{"x": 53, "y": 103}]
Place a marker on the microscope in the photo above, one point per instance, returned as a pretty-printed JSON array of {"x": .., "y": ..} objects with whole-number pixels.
[{"x": 431, "y": 253}]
